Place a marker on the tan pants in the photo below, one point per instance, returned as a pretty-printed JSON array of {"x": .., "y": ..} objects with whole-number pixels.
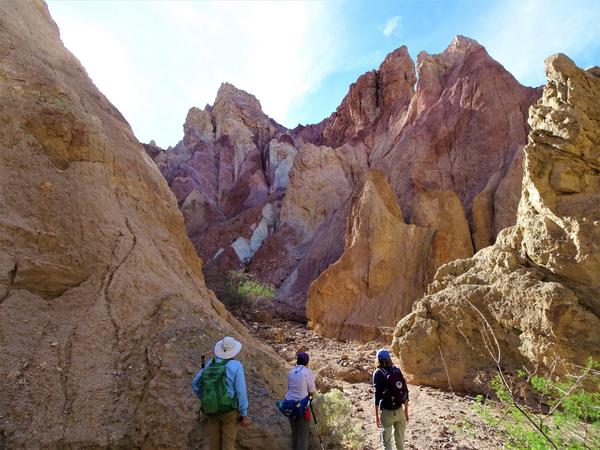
[
  {"x": 221, "y": 431},
  {"x": 393, "y": 423}
]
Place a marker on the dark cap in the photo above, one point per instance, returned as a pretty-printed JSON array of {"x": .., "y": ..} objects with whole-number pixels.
[{"x": 302, "y": 358}]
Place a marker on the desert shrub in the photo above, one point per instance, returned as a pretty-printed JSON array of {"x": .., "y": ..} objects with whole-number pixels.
[
  {"x": 245, "y": 286},
  {"x": 333, "y": 415},
  {"x": 238, "y": 289},
  {"x": 561, "y": 414}
]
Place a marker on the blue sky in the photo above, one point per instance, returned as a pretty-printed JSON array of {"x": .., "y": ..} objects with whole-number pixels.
[{"x": 154, "y": 60}]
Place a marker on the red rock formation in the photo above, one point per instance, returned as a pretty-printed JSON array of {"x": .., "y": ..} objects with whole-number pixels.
[
  {"x": 460, "y": 129},
  {"x": 537, "y": 289}
]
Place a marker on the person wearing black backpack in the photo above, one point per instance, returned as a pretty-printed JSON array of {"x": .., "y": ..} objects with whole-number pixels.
[{"x": 391, "y": 393}]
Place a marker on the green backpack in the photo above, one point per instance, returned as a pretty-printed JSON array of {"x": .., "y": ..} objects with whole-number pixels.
[{"x": 214, "y": 398}]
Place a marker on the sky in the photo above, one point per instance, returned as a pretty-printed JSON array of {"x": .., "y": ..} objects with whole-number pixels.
[{"x": 156, "y": 59}]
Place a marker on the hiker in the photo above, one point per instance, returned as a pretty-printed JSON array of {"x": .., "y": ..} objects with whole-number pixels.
[
  {"x": 222, "y": 374},
  {"x": 391, "y": 393},
  {"x": 301, "y": 388}
]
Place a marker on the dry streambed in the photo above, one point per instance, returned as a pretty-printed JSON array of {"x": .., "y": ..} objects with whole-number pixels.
[{"x": 439, "y": 420}]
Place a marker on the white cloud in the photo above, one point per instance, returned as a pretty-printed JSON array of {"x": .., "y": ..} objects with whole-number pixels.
[
  {"x": 155, "y": 60},
  {"x": 520, "y": 34},
  {"x": 390, "y": 25}
]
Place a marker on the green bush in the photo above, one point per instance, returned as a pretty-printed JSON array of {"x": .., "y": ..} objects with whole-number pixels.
[
  {"x": 333, "y": 415},
  {"x": 243, "y": 285},
  {"x": 238, "y": 289},
  {"x": 561, "y": 414}
]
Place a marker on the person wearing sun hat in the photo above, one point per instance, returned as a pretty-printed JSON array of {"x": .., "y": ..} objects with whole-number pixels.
[{"x": 221, "y": 429}]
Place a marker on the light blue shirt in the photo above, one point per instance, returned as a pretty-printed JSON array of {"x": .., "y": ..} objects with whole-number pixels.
[{"x": 236, "y": 383}]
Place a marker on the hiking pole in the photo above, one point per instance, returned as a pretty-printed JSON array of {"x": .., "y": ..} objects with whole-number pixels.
[{"x": 316, "y": 424}]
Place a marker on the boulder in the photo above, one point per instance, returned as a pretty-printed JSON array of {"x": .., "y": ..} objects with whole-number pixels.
[
  {"x": 531, "y": 299},
  {"x": 103, "y": 308}
]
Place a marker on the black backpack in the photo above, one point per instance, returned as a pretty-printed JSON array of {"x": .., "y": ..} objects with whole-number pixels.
[{"x": 396, "y": 390}]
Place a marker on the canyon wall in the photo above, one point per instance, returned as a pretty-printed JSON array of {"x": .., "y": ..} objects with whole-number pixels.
[
  {"x": 104, "y": 313},
  {"x": 533, "y": 296},
  {"x": 276, "y": 203}
]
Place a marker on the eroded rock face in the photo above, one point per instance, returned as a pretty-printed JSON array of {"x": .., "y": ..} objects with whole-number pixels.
[
  {"x": 103, "y": 309},
  {"x": 537, "y": 288},
  {"x": 361, "y": 294},
  {"x": 465, "y": 123},
  {"x": 232, "y": 163},
  {"x": 460, "y": 128},
  {"x": 443, "y": 212}
]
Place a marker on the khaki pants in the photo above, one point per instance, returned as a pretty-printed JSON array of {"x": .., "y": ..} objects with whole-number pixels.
[
  {"x": 221, "y": 431},
  {"x": 392, "y": 423}
]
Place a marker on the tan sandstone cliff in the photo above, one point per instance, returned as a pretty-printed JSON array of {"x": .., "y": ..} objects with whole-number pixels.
[
  {"x": 380, "y": 273},
  {"x": 103, "y": 309},
  {"x": 538, "y": 287}
]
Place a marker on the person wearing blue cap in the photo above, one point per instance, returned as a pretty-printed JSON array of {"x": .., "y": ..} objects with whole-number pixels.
[
  {"x": 391, "y": 394},
  {"x": 301, "y": 386}
]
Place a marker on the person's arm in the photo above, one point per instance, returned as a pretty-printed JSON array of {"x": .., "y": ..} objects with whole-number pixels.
[
  {"x": 406, "y": 410},
  {"x": 310, "y": 382},
  {"x": 196, "y": 384},
  {"x": 241, "y": 394},
  {"x": 378, "y": 395}
]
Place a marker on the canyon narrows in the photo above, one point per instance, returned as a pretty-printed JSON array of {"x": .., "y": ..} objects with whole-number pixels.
[
  {"x": 276, "y": 203},
  {"x": 441, "y": 198}
]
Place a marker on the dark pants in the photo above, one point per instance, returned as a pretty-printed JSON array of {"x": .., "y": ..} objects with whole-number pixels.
[{"x": 299, "y": 433}]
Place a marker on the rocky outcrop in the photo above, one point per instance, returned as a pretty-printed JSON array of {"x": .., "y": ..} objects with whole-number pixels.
[
  {"x": 464, "y": 125},
  {"x": 361, "y": 294},
  {"x": 537, "y": 288},
  {"x": 461, "y": 130},
  {"x": 228, "y": 173},
  {"x": 321, "y": 180},
  {"x": 443, "y": 212},
  {"x": 458, "y": 129},
  {"x": 386, "y": 264},
  {"x": 103, "y": 309}
]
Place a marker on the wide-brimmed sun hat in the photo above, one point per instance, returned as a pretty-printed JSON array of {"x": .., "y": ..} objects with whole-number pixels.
[{"x": 227, "y": 348}]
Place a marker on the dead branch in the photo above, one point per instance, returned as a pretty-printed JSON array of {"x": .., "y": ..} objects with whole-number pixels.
[{"x": 497, "y": 359}]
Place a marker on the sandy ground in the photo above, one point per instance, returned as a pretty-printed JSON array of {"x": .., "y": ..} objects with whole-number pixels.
[{"x": 438, "y": 420}]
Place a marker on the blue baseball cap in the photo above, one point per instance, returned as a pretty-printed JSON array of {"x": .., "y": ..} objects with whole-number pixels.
[{"x": 383, "y": 354}]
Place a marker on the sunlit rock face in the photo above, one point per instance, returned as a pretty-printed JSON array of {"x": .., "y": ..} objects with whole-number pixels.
[
  {"x": 104, "y": 313},
  {"x": 457, "y": 128},
  {"x": 538, "y": 287},
  {"x": 362, "y": 292}
]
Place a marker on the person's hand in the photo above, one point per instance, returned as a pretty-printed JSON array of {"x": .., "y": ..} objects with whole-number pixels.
[
  {"x": 244, "y": 421},
  {"x": 406, "y": 413}
]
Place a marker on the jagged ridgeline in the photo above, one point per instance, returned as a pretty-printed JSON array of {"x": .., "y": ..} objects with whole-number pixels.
[
  {"x": 278, "y": 203},
  {"x": 103, "y": 309}
]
